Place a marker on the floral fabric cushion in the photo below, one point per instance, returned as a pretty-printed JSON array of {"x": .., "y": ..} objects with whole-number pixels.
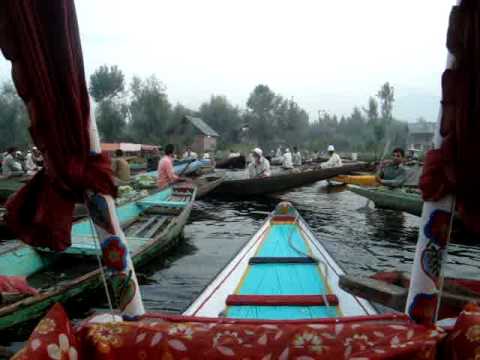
[
  {"x": 53, "y": 338},
  {"x": 170, "y": 337},
  {"x": 463, "y": 342}
]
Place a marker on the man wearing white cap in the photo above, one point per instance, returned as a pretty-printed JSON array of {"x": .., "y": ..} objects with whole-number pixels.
[
  {"x": 334, "y": 160},
  {"x": 259, "y": 167},
  {"x": 287, "y": 159}
]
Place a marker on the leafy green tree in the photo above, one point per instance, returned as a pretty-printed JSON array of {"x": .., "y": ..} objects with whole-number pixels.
[
  {"x": 223, "y": 117},
  {"x": 371, "y": 112},
  {"x": 150, "y": 110},
  {"x": 387, "y": 98},
  {"x": 262, "y": 104},
  {"x": 106, "y": 82},
  {"x": 111, "y": 121},
  {"x": 14, "y": 120}
]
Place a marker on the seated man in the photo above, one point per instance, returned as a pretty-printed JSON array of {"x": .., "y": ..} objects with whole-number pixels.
[
  {"x": 334, "y": 159},
  {"x": 297, "y": 157},
  {"x": 189, "y": 154},
  {"x": 120, "y": 167},
  {"x": 10, "y": 165},
  {"x": 393, "y": 174},
  {"x": 259, "y": 167},
  {"x": 287, "y": 160}
]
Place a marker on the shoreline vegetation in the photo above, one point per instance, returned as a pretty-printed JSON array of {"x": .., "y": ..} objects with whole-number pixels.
[{"x": 141, "y": 112}]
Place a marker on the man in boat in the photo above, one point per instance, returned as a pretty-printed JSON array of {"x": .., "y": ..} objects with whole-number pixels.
[
  {"x": 259, "y": 167},
  {"x": 393, "y": 174},
  {"x": 297, "y": 157},
  {"x": 120, "y": 167},
  {"x": 30, "y": 164},
  {"x": 166, "y": 173},
  {"x": 334, "y": 159},
  {"x": 287, "y": 159},
  {"x": 189, "y": 154},
  {"x": 10, "y": 165}
]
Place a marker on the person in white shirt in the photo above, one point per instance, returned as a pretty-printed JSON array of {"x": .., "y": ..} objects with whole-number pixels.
[
  {"x": 10, "y": 165},
  {"x": 287, "y": 159},
  {"x": 279, "y": 152},
  {"x": 30, "y": 163},
  {"x": 233, "y": 154},
  {"x": 259, "y": 167},
  {"x": 334, "y": 159},
  {"x": 189, "y": 154},
  {"x": 297, "y": 157}
]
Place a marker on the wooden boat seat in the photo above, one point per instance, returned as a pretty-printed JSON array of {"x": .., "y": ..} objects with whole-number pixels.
[
  {"x": 168, "y": 204},
  {"x": 282, "y": 300},
  {"x": 282, "y": 260},
  {"x": 86, "y": 245},
  {"x": 283, "y": 219}
]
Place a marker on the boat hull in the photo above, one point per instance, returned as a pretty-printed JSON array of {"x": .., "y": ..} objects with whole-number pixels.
[
  {"x": 24, "y": 311},
  {"x": 282, "y": 182},
  {"x": 392, "y": 199}
]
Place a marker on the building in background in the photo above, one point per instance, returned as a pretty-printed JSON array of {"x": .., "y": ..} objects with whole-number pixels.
[
  {"x": 420, "y": 136},
  {"x": 198, "y": 134}
]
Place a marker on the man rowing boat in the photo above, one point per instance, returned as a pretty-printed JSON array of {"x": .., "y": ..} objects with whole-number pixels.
[
  {"x": 393, "y": 174},
  {"x": 259, "y": 167}
]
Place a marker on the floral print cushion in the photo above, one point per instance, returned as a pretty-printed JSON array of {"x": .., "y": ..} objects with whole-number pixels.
[
  {"x": 53, "y": 338},
  {"x": 169, "y": 337},
  {"x": 463, "y": 342}
]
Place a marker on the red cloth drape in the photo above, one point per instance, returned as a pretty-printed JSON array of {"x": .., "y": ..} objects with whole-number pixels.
[
  {"x": 453, "y": 169},
  {"x": 41, "y": 39}
]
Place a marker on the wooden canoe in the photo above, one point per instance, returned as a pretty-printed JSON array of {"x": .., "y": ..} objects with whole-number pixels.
[
  {"x": 283, "y": 272},
  {"x": 394, "y": 199},
  {"x": 207, "y": 183},
  {"x": 152, "y": 225},
  {"x": 283, "y": 181},
  {"x": 362, "y": 180},
  {"x": 391, "y": 289}
]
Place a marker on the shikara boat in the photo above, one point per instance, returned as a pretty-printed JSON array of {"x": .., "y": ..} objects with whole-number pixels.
[
  {"x": 282, "y": 273},
  {"x": 10, "y": 185},
  {"x": 394, "y": 199},
  {"x": 391, "y": 289},
  {"x": 152, "y": 225},
  {"x": 237, "y": 162},
  {"x": 207, "y": 183},
  {"x": 283, "y": 181}
]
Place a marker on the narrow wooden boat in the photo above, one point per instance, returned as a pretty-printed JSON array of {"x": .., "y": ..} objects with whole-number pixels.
[
  {"x": 237, "y": 162},
  {"x": 207, "y": 183},
  {"x": 283, "y": 181},
  {"x": 391, "y": 289},
  {"x": 152, "y": 225},
  {"x": 283, "y": 272},
  {"x": 394, "y": 199},
  {"x": 362, "y": 180}
]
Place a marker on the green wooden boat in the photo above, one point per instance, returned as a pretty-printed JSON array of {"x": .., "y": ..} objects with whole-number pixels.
[
  {"x": 10, "y": 185},
  {"x": 395, "y": 199},
  {"x": 152, "y": 225}
]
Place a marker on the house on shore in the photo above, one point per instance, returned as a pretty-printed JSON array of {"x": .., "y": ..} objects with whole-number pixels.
[
  {"x": 193, "y": 131},
  {"x": 420, "y": 136}
]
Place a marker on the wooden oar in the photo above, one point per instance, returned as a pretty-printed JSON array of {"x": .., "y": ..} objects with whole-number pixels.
[{"x": 377, "y": 173}]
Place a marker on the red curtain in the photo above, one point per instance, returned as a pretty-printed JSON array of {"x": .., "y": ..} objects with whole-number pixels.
[
  {"x": 41, "y": 39},
  {"x": 453, "y": 169}
]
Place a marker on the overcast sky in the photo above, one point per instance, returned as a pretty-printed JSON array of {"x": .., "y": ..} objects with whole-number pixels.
[{"x": 329, "y": 55}]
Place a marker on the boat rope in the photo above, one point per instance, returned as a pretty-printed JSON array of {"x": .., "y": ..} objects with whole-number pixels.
[
  {"x": 98, "y": 251},
  {"x": 444, "y": 260},
  {"x": 297, "y": 250}
]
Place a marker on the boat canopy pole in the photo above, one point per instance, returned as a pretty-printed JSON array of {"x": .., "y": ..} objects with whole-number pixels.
[
  {"x": 115, "y": 253},
  {"x": 426, "y": 282}
]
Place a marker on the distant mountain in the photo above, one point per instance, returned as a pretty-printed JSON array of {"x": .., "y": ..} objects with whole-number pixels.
[{"x": 409, "y": 107}]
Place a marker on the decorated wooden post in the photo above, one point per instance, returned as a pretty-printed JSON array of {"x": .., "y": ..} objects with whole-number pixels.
[
  {"x": 115, "y": 253},
  {"x": 431, "y": 253}
]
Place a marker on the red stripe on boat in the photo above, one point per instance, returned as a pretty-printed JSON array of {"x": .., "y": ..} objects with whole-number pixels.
[
  {"x": 281, "y": 300},
  {"x": 283, "y": 218}
]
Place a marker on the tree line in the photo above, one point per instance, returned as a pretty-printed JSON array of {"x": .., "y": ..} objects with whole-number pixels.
[{"x": 141, "y": 112}]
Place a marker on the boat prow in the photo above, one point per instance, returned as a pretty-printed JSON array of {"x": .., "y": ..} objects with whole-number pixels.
[{"x": 283, "y": 272}]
